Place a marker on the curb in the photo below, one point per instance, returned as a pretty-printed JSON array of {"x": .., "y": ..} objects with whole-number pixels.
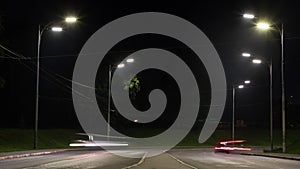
[
  {"x": 273, "y": 156},
  {"x": 31, "y": 154}
]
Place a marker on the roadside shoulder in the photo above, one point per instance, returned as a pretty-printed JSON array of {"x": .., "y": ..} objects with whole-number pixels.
[
  {"x": 274, "y": 155},
  {"x": 20, "y": 154}
]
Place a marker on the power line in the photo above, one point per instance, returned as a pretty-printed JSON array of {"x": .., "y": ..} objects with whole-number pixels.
[
  {"x": 20, "y": 57},
  {"x": 14, "y": 58},
  {"x": 12, "y": 52}
]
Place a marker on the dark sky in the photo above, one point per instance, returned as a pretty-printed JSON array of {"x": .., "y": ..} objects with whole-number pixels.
[{"x": 220, "y": 21}]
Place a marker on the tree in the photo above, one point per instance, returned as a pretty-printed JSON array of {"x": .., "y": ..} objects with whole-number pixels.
[{"x": 133, "y": 86}]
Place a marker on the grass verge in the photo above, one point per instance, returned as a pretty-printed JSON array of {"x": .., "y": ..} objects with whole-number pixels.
[{"x": 22, "y": 139}]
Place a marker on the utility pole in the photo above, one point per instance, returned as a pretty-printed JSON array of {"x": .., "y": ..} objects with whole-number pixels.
[
  {"x": 282, "y": 91},
  {"x": 36, "y": 117},
  {"x": 233, "y": 105}
]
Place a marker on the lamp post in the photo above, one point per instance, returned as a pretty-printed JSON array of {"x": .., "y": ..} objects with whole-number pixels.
[
  {"x": 282, "y": 90},
  {"x": 233, "y": 105},
  {"x": 108, "y": 101},
  {"x": 110, "y": 67},
  {"x": 271, "y": 104},
  {"x": 41, "y": 30},
  {"x": 270, "y": 65},
  {"x": 266, "y": 26}
]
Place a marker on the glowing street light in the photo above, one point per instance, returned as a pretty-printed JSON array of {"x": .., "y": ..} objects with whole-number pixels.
[
  {"x": 256, "y": 61},
  {"x": 71, "y": 19},
  {"x": 41, "y": 30},
  {"x": 130, "y": 60},
  {"x": 248, "y": 16},
  {"x": 56, "y": 29},
  {"x": 280, "y": 29},
  {"x": 121, "y": 65},
  {"x": 263, "y": 25},
  {"x": 234, "y": 87},
  {"x": 110, "y": 67},
  {"x": 270, "y": 65},
  {"x": 247, "y": 81},
  {"x": 246, "y": 54}
]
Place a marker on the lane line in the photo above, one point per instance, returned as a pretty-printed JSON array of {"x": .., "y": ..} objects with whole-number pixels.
[
  {"x": 181, "y": 162},
  {"x": 137, "y": 164}
]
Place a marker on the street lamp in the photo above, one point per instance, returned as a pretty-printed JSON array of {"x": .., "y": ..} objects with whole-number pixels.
[
  {"x": 246, "y": 54},
  {"x": 266, "y": 26},
  {"x": 256, "y": 61},
  {"x": 130, "y": 60},
  {"x": 248, "y": 16},
  {"x": 56, "y": 29},
  {"x": 41, "y": 30},
  {"x": 110, "y": 67},
  {"x": 247, "y": 81},
  {"x": 263, "y": 25},
  {"x": 121, "y": 65},
  {"x": 270, "y": 65},
  {"x": 71, "y": 19},
  {"x": 233, "y": 104}
]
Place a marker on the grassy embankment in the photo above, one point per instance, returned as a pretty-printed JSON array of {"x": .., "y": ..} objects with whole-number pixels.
[
  {"x": 18, "y": 139},
  {"x": 22, "y": 139}
]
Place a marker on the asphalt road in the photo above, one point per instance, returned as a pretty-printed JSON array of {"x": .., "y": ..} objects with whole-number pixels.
[
  {"x": 174, "y": 159},
  {"x": 86, "y": 158},
  {"x": 210, "y": 160}
]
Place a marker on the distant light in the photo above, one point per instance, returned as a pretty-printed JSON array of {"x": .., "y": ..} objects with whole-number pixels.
[
  {"x": 256, "y": 61},
  {"x": 96, "y": 144},
  {"x": 248, "y": 16},
  {"x": 263, "y": 25},
  {"x": 121, "y": 65},
  {"x": 247, "y": 81},
  {"x": 71, "y": 19},
  {"x": 241, "y": 86},
  {"x": 246, "y": 54},
  {"x": 130, "y": 60},
  {"x": 232, "y": 141},
  {"x": 136, "y": 121},
  {"x": 56, "y": 29},
  {"x": 232, "y": 148}
]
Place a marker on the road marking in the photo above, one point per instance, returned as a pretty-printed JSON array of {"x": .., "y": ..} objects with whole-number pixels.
[
  {"x": 183, "y": 163},
  {"x": 137, "y": 164}
]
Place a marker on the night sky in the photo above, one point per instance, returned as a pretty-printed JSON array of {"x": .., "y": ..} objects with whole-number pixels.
[{"x": 222, "y": 22}]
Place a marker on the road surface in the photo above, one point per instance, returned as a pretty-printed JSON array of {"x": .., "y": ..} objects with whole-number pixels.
[
  {"x": 174, "y": 159},
  {"x": 210, "y": 160}
]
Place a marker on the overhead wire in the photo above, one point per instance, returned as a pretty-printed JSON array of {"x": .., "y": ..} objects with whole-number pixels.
[
  {"x": 12, "y": 52},
  {"x": 21, "y": 57},
  {"x": 55, "y": 76}
]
